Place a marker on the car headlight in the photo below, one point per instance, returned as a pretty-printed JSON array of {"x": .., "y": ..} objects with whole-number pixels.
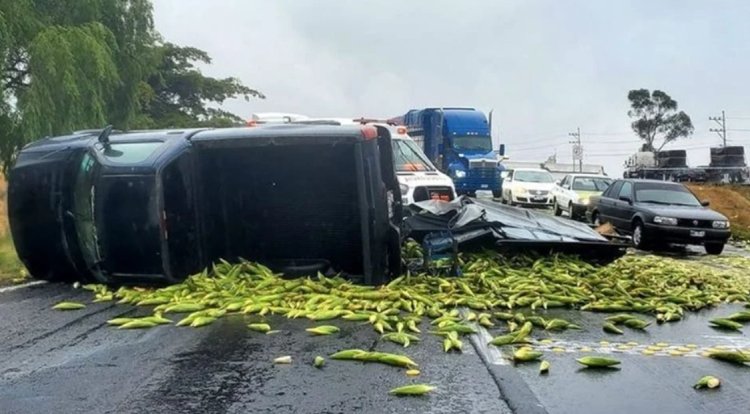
[
  {"x": 669, "y": 221},
  {"x": 404, "y": 188},
  {"x": 584, "y": 201},
  {"x": 521, "y": 191},
  {"x": 721, "y": 224},
  {"x": 459, "y": 173}
]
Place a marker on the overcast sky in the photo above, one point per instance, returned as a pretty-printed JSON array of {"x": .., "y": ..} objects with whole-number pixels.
[{"x": 544, "y": 66}]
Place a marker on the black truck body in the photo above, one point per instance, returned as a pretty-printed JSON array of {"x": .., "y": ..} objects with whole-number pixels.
[{"x": 157, "y": 206}]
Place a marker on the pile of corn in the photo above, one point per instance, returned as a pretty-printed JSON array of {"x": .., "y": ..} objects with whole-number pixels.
[
  {"x": 504, "y": 294},
  {"x": 493, "y": 288}
]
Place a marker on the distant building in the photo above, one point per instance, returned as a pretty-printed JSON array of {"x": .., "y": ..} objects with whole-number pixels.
[{"x": 558, "y": 170}]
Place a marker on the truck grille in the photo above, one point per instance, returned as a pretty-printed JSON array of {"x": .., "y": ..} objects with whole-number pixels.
[
  {"x": 482, "y": 172},
  {"x": 485, "y": 163}
]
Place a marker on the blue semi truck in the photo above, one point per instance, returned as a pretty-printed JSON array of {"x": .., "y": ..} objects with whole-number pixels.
[{"x": 459, "y": 143}]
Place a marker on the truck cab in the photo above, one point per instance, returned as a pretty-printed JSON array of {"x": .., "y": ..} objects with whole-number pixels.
[{"x": 458, "y": 141}]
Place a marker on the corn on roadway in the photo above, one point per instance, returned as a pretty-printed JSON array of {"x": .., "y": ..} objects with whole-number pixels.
[{"x": 69, "y": 362}]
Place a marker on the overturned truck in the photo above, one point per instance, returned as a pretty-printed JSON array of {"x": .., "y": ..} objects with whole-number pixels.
[{"x": 157, "y": 206}]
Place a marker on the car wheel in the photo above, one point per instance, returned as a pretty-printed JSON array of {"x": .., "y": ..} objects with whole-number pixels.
[
  {"x": 714, "y": 248},
  {"x": 571, "y": 212},
  {"x": 558, "y": 210},
  {"x": 510, "y": 199},
  {"x": 595, "y": 219},
  {"x": 640, "y": 239}
]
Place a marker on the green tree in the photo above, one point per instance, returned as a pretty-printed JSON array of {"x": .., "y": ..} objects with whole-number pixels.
[
  {"x": 78, "y": 64},
  {"x": 655, "y": 116},
  {"x": 179, "y": 95}
]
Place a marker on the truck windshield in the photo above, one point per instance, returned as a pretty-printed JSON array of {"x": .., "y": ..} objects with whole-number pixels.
[
  {"x": 591, "y": 183},
  {"x": 533, "y": 177},
  {"x": 408, "y": 157},
  {"x": 472, "y": 143}
]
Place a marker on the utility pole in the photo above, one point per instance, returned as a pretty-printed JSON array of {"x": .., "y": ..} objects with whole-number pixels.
[
  {"x": 577, "y": 149},
  {"x": 723, "y": 124}
]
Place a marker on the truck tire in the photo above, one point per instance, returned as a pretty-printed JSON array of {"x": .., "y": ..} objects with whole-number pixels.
[
  {"x": 497, "y": 194},
  {"x": 714, "y": 248}
]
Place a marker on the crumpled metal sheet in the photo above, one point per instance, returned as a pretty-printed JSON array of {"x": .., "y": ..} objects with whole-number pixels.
[{"x": 509, "y": 222}]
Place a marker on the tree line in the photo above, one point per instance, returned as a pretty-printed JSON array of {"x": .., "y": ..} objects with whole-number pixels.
[{"x": 77, "y": 64}]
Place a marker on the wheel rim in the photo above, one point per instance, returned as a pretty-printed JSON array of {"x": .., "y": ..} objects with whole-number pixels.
[
  {"x": 597, "y": 223},
  {"x": 637, "y": 235}
]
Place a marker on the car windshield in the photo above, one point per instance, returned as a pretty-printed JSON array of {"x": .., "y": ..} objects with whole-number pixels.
[
  {"x": 472, "y": 143},
  {"x": 591, "y": 184},
  {"x": 408, "y": 157},
  {"x": 665, "y": 194},
  {"x": 533, "y": 177}
]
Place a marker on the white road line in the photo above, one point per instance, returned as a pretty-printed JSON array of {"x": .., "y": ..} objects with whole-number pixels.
[
  {"x": 490, "y": 352},
  {"x": 25, "y": 285}
]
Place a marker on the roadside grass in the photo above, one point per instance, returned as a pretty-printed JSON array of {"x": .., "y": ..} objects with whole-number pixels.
[
  {"x": 731, "y": 201},
  {"x": 11, "y": 269}
]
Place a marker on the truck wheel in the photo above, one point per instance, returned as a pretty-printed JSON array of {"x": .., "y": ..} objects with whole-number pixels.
[
  {"x": 714, "y": 248},
  {"x": 497, "y": 194},
  {"x": 556, "y": 207}
]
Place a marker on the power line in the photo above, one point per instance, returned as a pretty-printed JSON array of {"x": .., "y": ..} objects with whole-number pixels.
[
  {"x": 577, "y": 148},
  {"x": 722, "y": 130}
]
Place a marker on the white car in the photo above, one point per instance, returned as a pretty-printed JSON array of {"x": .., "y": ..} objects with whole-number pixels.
[
  {"x": 528, "y": 187},
  {"x": 572, "y": 193}
]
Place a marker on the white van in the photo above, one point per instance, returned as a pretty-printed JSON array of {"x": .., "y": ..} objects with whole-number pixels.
[{"x": 417, "y": 176}]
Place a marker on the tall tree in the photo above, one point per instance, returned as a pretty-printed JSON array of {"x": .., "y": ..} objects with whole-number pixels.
[
  {"x": 655, "y": 116},
  {"x": 178, "y": 94},
  {"x": 77, "y": 64}
]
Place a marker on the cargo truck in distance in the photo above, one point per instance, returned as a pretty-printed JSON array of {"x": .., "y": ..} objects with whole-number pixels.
[
  {"x": 459, "y": 143},
  {"x": 727, "y": 166}
]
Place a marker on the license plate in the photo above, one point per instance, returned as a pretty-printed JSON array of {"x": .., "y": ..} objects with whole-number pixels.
[
  {"x": 697, "y": 233},
  {"x": 538, "y": 198},
  {"x": 485, "y": 186}
]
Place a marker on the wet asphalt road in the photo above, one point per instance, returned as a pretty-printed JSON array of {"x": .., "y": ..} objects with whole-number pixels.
[{"x": 71, "y": 362}]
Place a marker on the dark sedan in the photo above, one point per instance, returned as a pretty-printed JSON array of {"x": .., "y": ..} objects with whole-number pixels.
[{"x": 657, "y": 213}]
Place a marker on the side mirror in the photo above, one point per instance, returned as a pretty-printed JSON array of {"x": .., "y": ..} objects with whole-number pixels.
[
  {"x": 501, "y": 150},
  {"x": 557, "y": 182},
  {"x": 626, "y": 198},
  {"x": 705, "y": 203}
]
